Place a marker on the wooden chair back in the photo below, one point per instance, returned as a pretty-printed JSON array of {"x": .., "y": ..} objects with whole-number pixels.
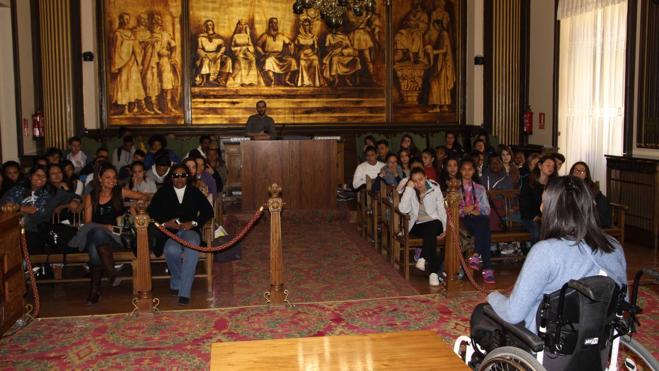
[{"x": 76, "y": 217}]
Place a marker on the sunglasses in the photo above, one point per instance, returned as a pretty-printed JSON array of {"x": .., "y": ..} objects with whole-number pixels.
[{"x": 180, "y": 175}]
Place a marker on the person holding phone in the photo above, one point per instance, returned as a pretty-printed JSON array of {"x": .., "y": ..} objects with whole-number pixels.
[{"x": 183, "y": 210}]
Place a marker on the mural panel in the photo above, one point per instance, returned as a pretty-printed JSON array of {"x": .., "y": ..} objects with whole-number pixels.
[
  {"x": 143, "y": 61},
  {"x": 245, "y": 51},
  {"x": 426, "y": 46}
]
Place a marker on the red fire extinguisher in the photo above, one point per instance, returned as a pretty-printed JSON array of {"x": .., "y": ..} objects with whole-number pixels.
[
  {"x": 37, "y": 125},
  {"x": 528, "y": 121}
]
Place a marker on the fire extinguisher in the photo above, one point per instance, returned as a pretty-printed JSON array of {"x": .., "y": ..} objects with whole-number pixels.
[
  {"x": 37, "y": 125},
  {"x": 528, "y": 121}
]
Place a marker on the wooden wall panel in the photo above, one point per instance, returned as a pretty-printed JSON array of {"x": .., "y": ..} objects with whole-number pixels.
[{"x": 647, "y": 130}]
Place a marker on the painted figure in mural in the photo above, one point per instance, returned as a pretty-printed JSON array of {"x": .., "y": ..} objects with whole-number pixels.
[
  {"x": 213, "y": 66},
  {"x": 363, "y": 40},
  {"x": 442, "y": 73},
  {"x": 408, "y": 41},
  {"x": 160, "y": 72},
  {"x": 341, "y": 60},
  {"x": 306, "y": 45},
  {"x": 245, "y": 72},
  {"x": 276, "y": 50},
  {"x": 126, "y": 57}
]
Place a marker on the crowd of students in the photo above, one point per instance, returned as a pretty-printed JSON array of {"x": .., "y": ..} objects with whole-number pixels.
[
  {"x": 422, "y": 176},
  {"x": 100, "y": 187}
]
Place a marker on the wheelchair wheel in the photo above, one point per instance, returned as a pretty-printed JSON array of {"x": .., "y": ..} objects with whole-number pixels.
[
  {"x": 510, "y": 358},
  {"x": 634, "y": 356}
]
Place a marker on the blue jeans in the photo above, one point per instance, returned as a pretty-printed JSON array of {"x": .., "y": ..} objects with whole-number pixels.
[
  {"x": 479, "y": 227},
  {"x": 97, "y": 237},
  {"x": 182, "y": 262},
  {"x": 533, "y": 228}
]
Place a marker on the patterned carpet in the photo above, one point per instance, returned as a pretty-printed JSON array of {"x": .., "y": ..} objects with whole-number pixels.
[
  {"x": 181, "y": 340},
  {"x": 330, "y": 263}
]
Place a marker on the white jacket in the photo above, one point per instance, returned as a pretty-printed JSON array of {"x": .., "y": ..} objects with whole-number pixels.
[
  {"x": 433, "y": 202},
  {"x": 363, "y": 170}
]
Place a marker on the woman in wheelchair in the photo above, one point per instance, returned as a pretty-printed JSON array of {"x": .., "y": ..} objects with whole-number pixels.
[{"x": 572, "y": 247}]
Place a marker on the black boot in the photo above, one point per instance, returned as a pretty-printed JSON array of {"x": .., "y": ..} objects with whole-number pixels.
[
  {"x": 107, "y": 259},
  {"x": 96, "y": 272}
]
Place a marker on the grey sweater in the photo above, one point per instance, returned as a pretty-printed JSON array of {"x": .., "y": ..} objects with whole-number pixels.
[{"x": 549, "y": 265}]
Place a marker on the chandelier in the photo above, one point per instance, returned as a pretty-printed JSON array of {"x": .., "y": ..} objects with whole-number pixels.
[{"x": 332, "y": 11}]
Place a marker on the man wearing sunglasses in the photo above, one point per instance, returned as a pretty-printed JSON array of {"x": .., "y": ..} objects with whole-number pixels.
[{"x": 183, "y": 210}]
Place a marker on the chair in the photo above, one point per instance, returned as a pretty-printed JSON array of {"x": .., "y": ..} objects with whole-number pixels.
[
  {"x": 577, "y": 327},
  {"x": 389, "y": 199}
]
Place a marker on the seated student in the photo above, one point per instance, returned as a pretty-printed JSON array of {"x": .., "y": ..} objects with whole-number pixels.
[
  {"x": 11, "y": 176},
  {"x": 391, "y": 174},
  {"x": 125, "y": 171},
  {"x": 488, "y": 150},
  {"x": 369, "y": 141},
  {"x": 450, "y": 172},
  {"x": 71, "y": 179},
  {"x": 440, "y": 159},
  {"x": 416, "y": 164},
  {"x": 474, "y": 216},
  {"x": 197, "y": 182},
  {"x": 382, "y": 147},
  {"x": 87, "y": 173},
  {"x": 36, "y": 205},
  {"x": 183, "y": 210},
  {"x": 604, "y": 214},
  {"x": 506, "y": 155},
  {"x": 139, "y": 182},
  {"x": 204, "y": 174},
  {"x": 405, "y": 162},
  {"x": 424, "y": 202},
  {"x": 528, "y": 167},
  {"x": 216, "y": 166},
  {"x": 520, "y": 159},
  {"x": 102, "y": 207},
  {"x": 453, "y": 148},
  {"x": 62, "y": 191},
  {"x": 158, "y": 148},
  {"x": 495, "y": 176},
  {"x": 40, "y": 161},
  {"x": 159, "y": 171},
  {"x": 559, "y": 159},
  {"x": 76, "y": 155},
  {"x": 572, "y": 247},
  {"x": 530, "y": 196},
  {"x": 478, "y": 158},
  {"x": 428, "y": 158},
  {"x": 54, "y": 156},
  {"x": 123, "y": 156},
  {"x": 370, "y": 167},
  {"x": 407, "y": 142},
  {"x": 202, "y": 149}
]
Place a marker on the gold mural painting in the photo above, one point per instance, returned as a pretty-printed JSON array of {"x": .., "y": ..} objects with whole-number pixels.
[
  {"x": 424, "y": 61},
  {"x": 237, "y": 52},
  {"x": 143, "y": 62},
  {"x": 245, "y": 51}
]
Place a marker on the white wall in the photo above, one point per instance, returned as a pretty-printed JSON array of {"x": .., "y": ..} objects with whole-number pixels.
[
  {"x": 90, "y": 84},
  {"x": 8, "y": 133},
  {"x": 28, "y": 104},
  {"x": 475, "y": 74},
  {"x": 541, "y": 69}
]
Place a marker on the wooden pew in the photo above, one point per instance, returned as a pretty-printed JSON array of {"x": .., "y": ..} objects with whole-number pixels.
[{"x": 389, "y": 199}]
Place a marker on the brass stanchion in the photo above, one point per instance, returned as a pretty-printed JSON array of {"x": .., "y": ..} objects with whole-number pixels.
[{"x": 143, "y": 301}]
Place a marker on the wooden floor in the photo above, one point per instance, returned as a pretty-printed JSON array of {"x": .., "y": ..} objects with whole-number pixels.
[
  {"x": 69, "y": 299},
  {"x": 417, "y": 350}
]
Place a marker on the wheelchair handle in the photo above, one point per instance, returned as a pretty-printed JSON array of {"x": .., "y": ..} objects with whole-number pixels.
[{"x": 583, "y": 289}]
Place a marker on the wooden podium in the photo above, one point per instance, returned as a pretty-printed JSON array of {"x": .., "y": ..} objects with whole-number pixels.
[
  {"x": 305, "y": 169},
  {"x": 11, "y": 271}
]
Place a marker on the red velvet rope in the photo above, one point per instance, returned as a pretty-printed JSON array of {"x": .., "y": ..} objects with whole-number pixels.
[
  {"x": 225, "y": 246},
  {"x": 455, "y": 238},
  {"x": 33, "y": 279}
]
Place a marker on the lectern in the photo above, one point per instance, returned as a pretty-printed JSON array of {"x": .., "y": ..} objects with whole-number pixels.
[
  {"x": 11, "y": 271},
  {"x": 305, "y": 169}
]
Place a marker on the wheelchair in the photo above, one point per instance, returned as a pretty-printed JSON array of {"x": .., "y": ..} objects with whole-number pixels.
[{"x": 586, "y": 325}]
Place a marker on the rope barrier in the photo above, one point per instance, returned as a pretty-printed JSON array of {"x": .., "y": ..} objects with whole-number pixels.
[
  {"x": 257, "y": 215},
  {"x": 33, "y": 279}
]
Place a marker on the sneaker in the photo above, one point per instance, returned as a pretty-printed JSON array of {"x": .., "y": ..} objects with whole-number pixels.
[
  {"x": 475, "y": 262},
  {"x": 421, "y": 264},
  {"x": 173, "y": 292},
  {"x": 508, "y": 249},
  {"x": 433, "y": 280},
  {"x": 488, "y": 276},
  {"x": 417, "y": 254},
  {"x": 183, "y": 300}
]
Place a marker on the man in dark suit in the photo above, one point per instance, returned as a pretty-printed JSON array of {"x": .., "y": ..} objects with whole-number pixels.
[{"x": 182, "y": 209}]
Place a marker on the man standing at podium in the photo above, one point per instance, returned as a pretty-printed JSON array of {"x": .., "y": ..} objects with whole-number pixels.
[{"x": 261, "y": 126}]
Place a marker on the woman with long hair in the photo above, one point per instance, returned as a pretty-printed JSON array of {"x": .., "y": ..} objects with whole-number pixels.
[
  {"x": 71, "y": 179},
  {"x": 474, "y": 216},
  {"x": 506, "y": 155},
  {"x": 407, "y": 142},
  {"x": 102, "y": 207},
  {"x": 582, "y": 171},
  {"x": 451, "y": 169},
  {"x": 572, "y": 247},
  {"x": 216, "y": 166},
  {"x": 424, "y": 202},
  {"x": 11, "y": 176},
  {"x": 405, "y": 161},
  {"x": 530, "y": 197}
]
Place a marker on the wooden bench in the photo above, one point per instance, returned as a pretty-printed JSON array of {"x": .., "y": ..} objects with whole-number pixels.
[{"x": 124, "y": 256}]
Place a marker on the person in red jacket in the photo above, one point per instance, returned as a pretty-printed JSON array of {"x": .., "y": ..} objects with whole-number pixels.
[{"x": 428, "y": 158}]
